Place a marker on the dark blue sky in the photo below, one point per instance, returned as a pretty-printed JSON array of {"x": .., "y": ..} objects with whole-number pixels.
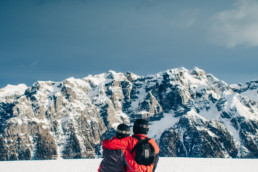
[{"x": 54, "y": 39}]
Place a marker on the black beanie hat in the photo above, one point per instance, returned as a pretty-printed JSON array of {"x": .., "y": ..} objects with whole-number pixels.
[
  {"x": 122, "y": 131},
  {"x": 141, "y": 126}
]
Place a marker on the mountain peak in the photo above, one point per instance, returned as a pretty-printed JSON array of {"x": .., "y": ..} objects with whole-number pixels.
[{"x": 12, "y": 89}]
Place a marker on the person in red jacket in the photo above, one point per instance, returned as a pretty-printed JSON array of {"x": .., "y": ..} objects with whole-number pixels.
[
  {"x": 120, "y": 160},
  {"x": 140, "y": 129}
]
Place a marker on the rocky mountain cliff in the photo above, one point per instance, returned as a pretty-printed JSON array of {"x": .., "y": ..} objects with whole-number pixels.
[{"x": 192, "y": 114}]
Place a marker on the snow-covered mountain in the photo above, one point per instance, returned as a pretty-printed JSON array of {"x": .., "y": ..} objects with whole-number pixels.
[{"x": 192, "y": 114}]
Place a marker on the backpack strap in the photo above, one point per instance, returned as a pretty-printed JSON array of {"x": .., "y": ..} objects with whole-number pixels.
[
  {"x": 139, "y": 142},
  {"x": 137, "y": 137}
]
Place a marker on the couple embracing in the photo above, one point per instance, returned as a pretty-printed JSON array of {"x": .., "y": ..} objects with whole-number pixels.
[{"x": 124, "y": 153}]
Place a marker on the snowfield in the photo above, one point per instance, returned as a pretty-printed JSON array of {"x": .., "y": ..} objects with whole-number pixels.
[{"x": 165, "y": 165}]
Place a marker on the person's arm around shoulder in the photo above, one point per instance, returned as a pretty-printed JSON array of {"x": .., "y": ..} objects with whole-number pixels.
[
  {"x": 133, "y": 165},
  {"x": 115, "y": 143}
]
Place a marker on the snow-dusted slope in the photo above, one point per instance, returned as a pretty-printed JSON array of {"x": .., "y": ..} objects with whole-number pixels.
[
  {"x": 192, "y": 114},
  {"x": 12, "y": 91}
]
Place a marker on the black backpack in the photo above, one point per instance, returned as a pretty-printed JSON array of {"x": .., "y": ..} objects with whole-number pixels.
[{"x": 144, "y": 151}]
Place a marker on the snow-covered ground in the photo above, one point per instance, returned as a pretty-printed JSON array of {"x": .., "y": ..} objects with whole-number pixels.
[{"x": 165, "y": 165}]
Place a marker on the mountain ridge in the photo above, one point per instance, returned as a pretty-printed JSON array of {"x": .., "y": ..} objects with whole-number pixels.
[{"x": 192, "y": 114}]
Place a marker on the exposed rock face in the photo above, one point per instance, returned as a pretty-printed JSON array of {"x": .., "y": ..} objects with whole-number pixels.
[
  {"x": 3, "y": 150},
  {"x": 200, "y": 138},
  {"x": 192, "y": 114},
  {"x": 49, "y": 121},
  {"x": 173, "y": 147},
  {"x": 45, "y": 145}
]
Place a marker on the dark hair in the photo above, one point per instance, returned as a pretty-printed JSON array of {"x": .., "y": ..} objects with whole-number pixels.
[{"x": 141, "y": 126}]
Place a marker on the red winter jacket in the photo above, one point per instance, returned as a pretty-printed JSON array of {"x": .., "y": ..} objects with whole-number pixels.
[
  {"x": 128, "y": 143},
  {"x": 116, "y": 160}
]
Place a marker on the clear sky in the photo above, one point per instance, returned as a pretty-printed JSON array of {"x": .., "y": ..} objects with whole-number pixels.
[{"x": 57, "y": 39}]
